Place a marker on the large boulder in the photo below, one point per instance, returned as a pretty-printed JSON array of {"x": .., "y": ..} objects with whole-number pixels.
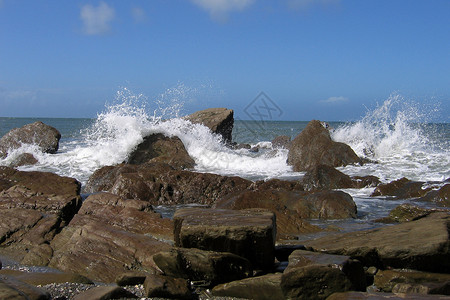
[
  {"x": 247, "y": 233},
  {"x": 440, "y": 196},
  {"x": 39, "y": 134},
  {"x": 209, "y": 267},
  {"x": 402, "y": 188},
  {"x": 167, "y": 287},
  {"x": 160, "y": 183},
  {"x": 34, "y": 207},
  {"x": 160, "y": 148},
  {"x": 110, "y": 236},
  {"x": 421, "y": 245},
  {"x": 218, "y": 120},
  {"x": 314, "y": 146}
]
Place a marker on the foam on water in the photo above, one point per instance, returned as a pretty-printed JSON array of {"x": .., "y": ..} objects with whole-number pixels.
[{"x": 398, "y": 137}]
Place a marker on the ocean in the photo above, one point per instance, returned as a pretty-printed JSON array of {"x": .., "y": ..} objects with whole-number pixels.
[{"x": 400, "y": 141}]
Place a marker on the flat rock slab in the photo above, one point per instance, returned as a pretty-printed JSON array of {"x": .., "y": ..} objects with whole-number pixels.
[
  {"x": 421, "y": 245},
  {"x": 388, "y": 279},
  {"x": 11, "y": 288},
  {"x": 105, "y": 293},
  {"x": 376, "y": 296},
  {"x": 248, "y": 233},
  {"x": 43, "y": 278}
]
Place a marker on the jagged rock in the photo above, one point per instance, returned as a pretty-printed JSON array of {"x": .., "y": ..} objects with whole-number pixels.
[
  {"x": 160, "y": 148},
  {"x": 406, "y": 213},
  {"x": 247, "y": 233},
  {"x": 282, "y": 141},
  {"x": 266, "y": 287},
  {"x": 421, "y": 245},
  {"x": 218, "y": 120},
  {"x": 352, "y": 268},
  {"x": 387, "y": 279},
  {"x": 314, "y": 282},
  {"x": 441, "y": 196},
  {"x": 200, "y": 265},
  {"x": 105, "y": 293},
  {"x": 11, "y": 288},
  {"x": 34, "y": 207},
  {"x": 167, "y": 287},
  {"x": 39, "y": 134},
  {"x": 401, "y": 189},
  {"x": 314, "y": 146},
  {"x": 159, "y": 183}
]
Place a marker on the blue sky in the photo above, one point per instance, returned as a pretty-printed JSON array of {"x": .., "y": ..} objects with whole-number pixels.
[{"x": 314, "y": 59}]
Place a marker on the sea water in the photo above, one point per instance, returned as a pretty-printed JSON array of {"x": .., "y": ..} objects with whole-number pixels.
[{"x": 396, "y": 136}]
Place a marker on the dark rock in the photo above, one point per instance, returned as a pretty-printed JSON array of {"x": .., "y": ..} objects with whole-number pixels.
[
  {"x": 314, "y": 146},
  {"x": 402, "y": 189},
  {"x": 200, "y": 265},
  {"x": 167, "y": 287},
  {"x": 282, "y": 141},
  {"x": 406, "y": 213},
  {"x": 105, "y": 293},
  {"x": 441, "y": 196},
  {"x": 360, "y": 182},
  {"x": 421, "y": 245},
  {"x": 218, "y": 120},
  {"x": 247, "y": 233},
  {"x": 102, "y": 251},
  {"x": 325, "y": 177},
  {"x": 442, "y": 288},
  {"x": 282, "y": 252},
  {"x": 314, "y": 282},
  {"x": 44, "y": 136},
  {"x": 34, "y": 207},
  {"x": 373, "y": 296},
  {"x": 131, "y": 278},
  {"x": 159, "y": 148},
  {"x": 159, "y": 184},
  {"x": 24, "y": 159},
  {"x": 11, "y": 288},
  {"x": 352, "y": 268},
  {"x": 386, "y": 280},
  {"x": 266, "y": 287}
]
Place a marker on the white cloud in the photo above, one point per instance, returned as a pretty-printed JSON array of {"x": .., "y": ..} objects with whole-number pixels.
[
  {"x": 219, "y": 9},
  {"x": 303, "y": 4},
  {"x": 138, "y": 14},
  {"x": 339, "y": 99},
  {"x": 97, "y": 20}
]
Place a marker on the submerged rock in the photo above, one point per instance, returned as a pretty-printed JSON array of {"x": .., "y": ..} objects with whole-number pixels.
[
  {"x": 39, "y": 134},
  {"x": 247, "y": 233},
  {"x": 282, "y": 141},
  {"x": 314, "y": 146},
  {"x": 159, "y": 148},
  {"x": 218, "y": 120}
]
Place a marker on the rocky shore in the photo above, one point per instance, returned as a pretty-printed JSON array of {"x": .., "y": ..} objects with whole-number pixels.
[{"x": 233, "y": 238}]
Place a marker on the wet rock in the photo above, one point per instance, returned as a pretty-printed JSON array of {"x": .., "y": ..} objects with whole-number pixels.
[
  {"x": 102, "y": 251},
  {"x": 352, "y": 268},
  {"x": 406, "y": 213},
  {"x": 11, "y": 288},
  {"x": 34, "y": 207},
  {"x": 159, "y": 183},
  {"x": 282, "y": 252},
  {"x": 313, "y": 282},
  {"x": 266, "y": 287},
  {"x": 402, "y": 189},
  {"x": 360, "y": 182},
  {"x": 105, "y": 293},
  {"x": 421, "y": 245},
  {"x": 247, "y": 233},
  {"x": 43, "y": 278},
  {"x": 282, "y": 141},
  {"x": 131, "y": 278},
  {"x": 167, "y": 287},
  {"x": 23, "y": 159},
  {"x": 363, "y": 296},
  {"x": 159, "y": 148},
  {"x": 218, "y": 120},
  {"x": 200, "y": 265},
  {"x": 39, "y": 134},
  {"x": 314, "y": 146},
  {"x": 440, "y": 196},
  {"x": 442, "y": 288},
  {"x": 387, "y": 279},
  {"x": 325, "y": 177}
]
